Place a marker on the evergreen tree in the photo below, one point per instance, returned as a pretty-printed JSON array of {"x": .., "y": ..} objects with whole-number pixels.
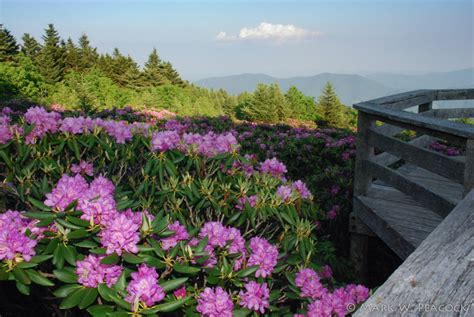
[
  {"x": 330, "y": 108},
  {"x": 51, "y": 59},
  {"x": 88, "y": 56},
  {"x": 301, "y": 107},
  {"x": 8, "y": 45},
  {"x": 267, "y": 105},
  {"x": 153, "y": 72},
  {"x": 71, "y": 56},
  {"x": 30, "y": 47},
  {"x": 171, "y": 74}
]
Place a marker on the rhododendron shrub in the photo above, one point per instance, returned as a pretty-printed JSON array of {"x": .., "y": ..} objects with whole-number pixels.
[{"x": 125, "y": 218}]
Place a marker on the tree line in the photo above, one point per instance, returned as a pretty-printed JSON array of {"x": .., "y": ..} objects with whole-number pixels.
[{"x": 77, "y": 76}]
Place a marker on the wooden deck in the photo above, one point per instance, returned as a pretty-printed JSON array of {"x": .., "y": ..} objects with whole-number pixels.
[{"x": 418, "y": 201}]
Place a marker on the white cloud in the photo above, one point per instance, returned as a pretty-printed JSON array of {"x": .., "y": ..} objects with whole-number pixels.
[{"x": 268, "y": 31}]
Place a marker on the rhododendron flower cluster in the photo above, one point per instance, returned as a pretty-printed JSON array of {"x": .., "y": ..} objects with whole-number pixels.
[
  {"x": 165, "y": 140},
  {"x": 210, "y": 144},
  {"x": 215, "y": 303},
  {"x": 255, "y": 297},
  {"x": 144, "y": 287},
  {"x": 83, "y": 168},
  {"x": 120, "y": 234},
  {"x": 43, "y": 121},
  {"x": 273, "y": 167},
  {"x": 14, "y": 243},
  {"x": 302, "y": 189},
  {"x": 328, "y": 303},
  {"x": 180, "y": 234},
  {"x": 91, "y": 272},
  {"x": 252, "y": 201},
  {"x": 264, "y": 255},
  {"x": 67, "y": 190},
  {"x": 284, "y": 192}
]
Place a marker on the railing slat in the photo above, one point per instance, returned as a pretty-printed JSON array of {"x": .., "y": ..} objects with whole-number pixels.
[
  {"x": 469, "y": 167},
  {"x": 362, "y": 179},
  {"x": 420, "y": 193},
  {"x": 455, "y": 132},
  {"x": 450, "y": 113},
  {"x": 427, "y": 159},
  {"x": 387, "y": 159}
]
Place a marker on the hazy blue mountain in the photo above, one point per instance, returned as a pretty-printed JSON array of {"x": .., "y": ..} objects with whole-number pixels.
[
  {"x": 454, "y": 79},
  {"x": 350, "y": 88}
]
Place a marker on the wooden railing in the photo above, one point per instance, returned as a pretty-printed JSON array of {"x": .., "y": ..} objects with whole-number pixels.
[{"x": 430, "y": 124}]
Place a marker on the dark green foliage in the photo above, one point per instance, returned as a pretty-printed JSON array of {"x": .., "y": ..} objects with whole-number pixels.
[
  {"x": 51, "y": 57},
  {"x": 330, "y": 108},
  {"x": 8, "y": 45},
  {"x": 301, "y": 106},
  {"x": 88, "y": 56},
  {"x": 30, "y": 47},
  {"x": 153, "y": 72},
  {"x": 71, "y": 57},
  {"x": 267, "y": 104}
]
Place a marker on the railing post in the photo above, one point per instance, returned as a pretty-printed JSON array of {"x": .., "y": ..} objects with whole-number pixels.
[
  {"x": 425, "y": 107},
  {"x": 469, "y": 167},
  {"x": 362, "y": 180},
  {"x": 362, "y": 177}
]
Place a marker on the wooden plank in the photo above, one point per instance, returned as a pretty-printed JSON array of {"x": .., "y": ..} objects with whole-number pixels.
[
  {"x": 453, "y": 131},
  {"x": 420, "y": 193},
  {"x": 450, "y": 113},
  {"x": 454, "y": 94},
  {"x": 381, "y": 228},
  {"x": 362, "y": 179},
  {"x": 406, "y": 100},
  {"x": 438, "y": 273},
  {"x": 430, "y": 160},
  {"x": 469, "y": 169},
  {"x": 436, "y": 183},
  {"x": 425, "y": 107},
  {"x": 387, "y": 159}
]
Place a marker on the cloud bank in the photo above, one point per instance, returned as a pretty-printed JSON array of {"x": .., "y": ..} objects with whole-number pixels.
[{"x": 269, "y": 32}]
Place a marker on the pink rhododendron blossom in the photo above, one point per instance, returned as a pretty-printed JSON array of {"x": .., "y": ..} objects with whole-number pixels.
[
  {"x": 83, "y": 168},
  {"x": 216, "y": 233},
  {"x": 13, "y": 240},
  {"x": 214, "y": 303},
  {"x": 284, "y": 192},
  {"x": 309, "y": 283},
  {"x": 179, "y": 235},
  {"x": 326, "y": 272},
  {"x": 91, "y": 272},
  {"x": 252, "y": 201},
  {"x": 43, "y": 121},
  {"x": 165, "y": 140},
  {"x": 67, "y": 190},
  {"x": 144, "y": 287},
  {"x": 255, "y": 296},
  {"x": 180, "y": 292},
  {"x": 302, "y": 189},
  {"x": 120, "y": 234},
  {"x": 273, "y": 167},
  {"x": 264, "y": 255}
]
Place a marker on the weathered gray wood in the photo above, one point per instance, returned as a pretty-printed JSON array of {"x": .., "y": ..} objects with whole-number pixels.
[
  {"x": 388, "y": 129},
  {"x": 407, "y": 99},
  {"x": 453, "y": 131},
  {"x": 362, "y": 179},
  {"x": 420, "y": 193},
  {"x": 402, "y": 230},
  {"x": 469, "y": 166},
  {"x": 358, "y": 226},
  {"x": 430, "y": 160},
  {"x": 387, "y": 159},
  {"x": 439, "y": 272},
  {"x": 425, "y": 107},
  {"x": 451, "y": 113},
  {"x": 358, "y": 255},
  {"x": 440, "y": 185},
  {"x": 454, "y": 94}
]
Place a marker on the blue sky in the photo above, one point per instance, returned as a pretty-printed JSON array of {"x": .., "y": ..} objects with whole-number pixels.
[{"x": 223, "y": 37}]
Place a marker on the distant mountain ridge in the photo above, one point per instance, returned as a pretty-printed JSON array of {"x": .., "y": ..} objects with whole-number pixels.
[{"x": 351, "y": 88}]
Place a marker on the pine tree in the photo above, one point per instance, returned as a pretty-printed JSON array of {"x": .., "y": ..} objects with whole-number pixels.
[
  {"x": 30, "y": 46},
  {"x": 71, "y": 56},
  {"x": 279, "y": 102},
  {"x": 8, "y": 45},
  {"x": 301, "y": 107},
  {"x": 330, "y": 108},
  {"x": 171, "y": 74},
  {"x": 88, "y": 56},
  {"x": 153, "y": 72},
  {"x": 51, "y": 58},
  {"x": 267, "y": 104}
]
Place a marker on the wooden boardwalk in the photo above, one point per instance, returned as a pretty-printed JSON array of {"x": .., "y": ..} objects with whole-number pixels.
[{"x": 418, "y": 201}]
